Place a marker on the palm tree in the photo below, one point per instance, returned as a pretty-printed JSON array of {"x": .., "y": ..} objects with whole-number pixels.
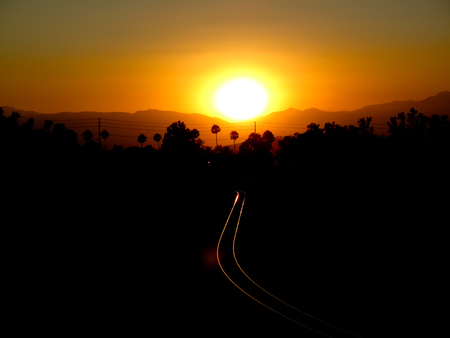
[
  {"x": 234, "y": 135},
  {"x": 142, "y": 139},
  {"x": 104, "y": 134},
  {"x": 215, "y": 129},
  {"x": 157, "y": 137}
]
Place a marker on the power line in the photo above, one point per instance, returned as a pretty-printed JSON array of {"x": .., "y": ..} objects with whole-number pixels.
[
  {"x": 226, "y": 125},
  {"x": 123, "y": 136},
  {"x": 141, "y": 126},
  {"x": 58, "y": 121},
  {"x": 135, "y": 122},
  {"x": 129, "y": 128}
]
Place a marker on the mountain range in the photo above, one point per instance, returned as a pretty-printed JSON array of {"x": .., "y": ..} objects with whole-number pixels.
[
  {"x": 124, "y": 127},
  {"x": 381, "y": 113}
]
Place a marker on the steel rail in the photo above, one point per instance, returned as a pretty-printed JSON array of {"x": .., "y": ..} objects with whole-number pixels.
[
  {"x": 220, "y": 265},
  {"x": 237, "y": 263}
]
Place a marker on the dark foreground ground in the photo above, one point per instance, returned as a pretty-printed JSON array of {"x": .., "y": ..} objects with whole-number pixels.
[{"x": 92, "y": 251}]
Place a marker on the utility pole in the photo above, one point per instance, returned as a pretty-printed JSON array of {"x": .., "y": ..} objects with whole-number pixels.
[
  {"x": 255, "y": 127},
  {"x": 99, "y": 140}
]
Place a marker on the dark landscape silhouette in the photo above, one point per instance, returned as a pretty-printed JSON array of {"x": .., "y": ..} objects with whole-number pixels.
[
  {"x": 225, "y": 168},
  {"x": 123, "y": 127},
  {"x": 340, "y": 220}
]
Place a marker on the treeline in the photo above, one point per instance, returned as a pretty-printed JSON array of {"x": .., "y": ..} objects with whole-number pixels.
[
  {"x": 329, "y": 150},
  {"x": 413, "y": 138},
  {"x": 22, "y": 138}
]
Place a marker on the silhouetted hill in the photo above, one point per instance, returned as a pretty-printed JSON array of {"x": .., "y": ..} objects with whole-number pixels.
[
  {"x": 8, "y": 110},
  {"x": 439, "y": 104},
  {"x": 381, "y": 113}
]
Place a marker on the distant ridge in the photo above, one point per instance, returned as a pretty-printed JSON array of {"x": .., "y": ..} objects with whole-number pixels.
[
  {"x": 127, "y": 127},
  {"x": 150, "y": 116},
  {"x": 8, "y": 110},
  {"x": 380, "y": 113}
]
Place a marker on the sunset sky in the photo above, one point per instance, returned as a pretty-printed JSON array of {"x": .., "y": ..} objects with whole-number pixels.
[{"x": 110, "y": 55}]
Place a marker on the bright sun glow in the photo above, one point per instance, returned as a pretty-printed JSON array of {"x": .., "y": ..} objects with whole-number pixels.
[{"x": 241, "y": 99}]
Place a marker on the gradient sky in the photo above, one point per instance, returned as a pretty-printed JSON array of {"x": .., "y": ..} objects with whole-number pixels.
[{"x": 110, "y": 55}]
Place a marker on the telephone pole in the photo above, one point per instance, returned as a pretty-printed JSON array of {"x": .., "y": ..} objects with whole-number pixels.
[{"x": 255, "y": 127}]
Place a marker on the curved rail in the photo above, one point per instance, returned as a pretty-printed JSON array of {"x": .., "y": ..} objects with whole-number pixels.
[{"x": 240, "y": 268}]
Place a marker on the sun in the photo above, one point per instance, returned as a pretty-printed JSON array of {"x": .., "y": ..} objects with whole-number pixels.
[{"x": 241, "y": 99}]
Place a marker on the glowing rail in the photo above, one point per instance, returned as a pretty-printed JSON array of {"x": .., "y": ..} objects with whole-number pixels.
[{"x": 235, "y": 259}]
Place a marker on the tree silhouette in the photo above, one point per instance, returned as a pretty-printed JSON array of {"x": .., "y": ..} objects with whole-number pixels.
[
  {"x": 9, "y": 128},
  {"x": 9, "y": 125},
  {"x": 64, "y": 138},
  {"x": 438, "y": 129},
  {"x": 251, "y": 143},
  {"x": 397, "y": 124},
  {"x": 412, "y": 126},
  {"x": 157, "y": 137},
  {"x": 142, "y": 139},
  {"x": 223, "y": 150},
  {"x": 29, "y": 124},
  {"x": 234, "y": 135},
  {"x": 14, "y": 119},
  {"x": 179, "y": 138},
  {"x": 87, "y": 135},
  {"x": 364, "y": 126},
  {"x": 104, "y": 134},
  {"x": 268, "y": 139},
  {"x": 314, "y": 129},
  {"x": 258, "y": 143},
  {"x": 48, "y": 126},
  {"x": 215, "y": 129}
]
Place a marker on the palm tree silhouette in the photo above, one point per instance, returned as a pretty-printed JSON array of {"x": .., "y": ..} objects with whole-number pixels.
[
  {"x": 234, "y": 135},
  {"x": 104, "y": 134},
  {"x": 215, "y": 129},
  {"x": 157, "y": 137},
  {"x": 142, "y": 139}
]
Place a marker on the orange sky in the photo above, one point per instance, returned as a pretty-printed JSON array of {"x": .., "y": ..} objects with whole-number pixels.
[{"x": 173, "y": 54}]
